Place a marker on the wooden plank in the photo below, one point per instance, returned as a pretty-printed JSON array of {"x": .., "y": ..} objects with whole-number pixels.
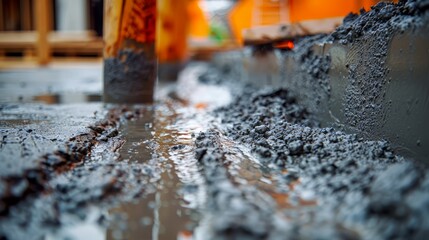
[
  {"x": 280, "y": 32},
  {"x": 42, "y": 27},
  {"x": 70, "y": 36},
  {"x": 28, "y": 54},
  {"x": 78, "y": 41},
  {"x": 50, "y": 14},
  {"x": 112, "y": 22},
  {"x": 18, "y": 40}
]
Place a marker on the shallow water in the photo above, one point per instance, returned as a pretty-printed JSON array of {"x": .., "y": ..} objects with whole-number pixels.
[
  {"x": 175, "y": 209},
  {"x": 171, "y": 210},
  {"x": 160, "y": 144}
]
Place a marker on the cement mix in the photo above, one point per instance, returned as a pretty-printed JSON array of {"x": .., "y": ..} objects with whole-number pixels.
[
  {"x": 363, "y": 189},
  {"x": 129, "y": 77}
]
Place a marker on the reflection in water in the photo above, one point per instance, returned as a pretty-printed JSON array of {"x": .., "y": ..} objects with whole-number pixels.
[
  {"x": 65, "y": 98},
  {"x": 164, "y": 138},
  {"x": 174, "y": 208},
  {"x": 173, "y": 204}
]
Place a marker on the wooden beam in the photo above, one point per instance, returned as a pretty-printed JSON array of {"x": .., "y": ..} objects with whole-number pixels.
[
  {"x": 50, "y": 14},
  {"x": 42, "y": 27},
  {"x": 18, "y": 40},
  {"x": 79, "y": 42}
]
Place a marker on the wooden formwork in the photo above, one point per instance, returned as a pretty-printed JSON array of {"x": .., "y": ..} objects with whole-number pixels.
[{"x": 36, "y": 41}]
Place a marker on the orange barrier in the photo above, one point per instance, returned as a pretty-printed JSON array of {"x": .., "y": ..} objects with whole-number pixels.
[
  {"x": 198, "y": 22},
  {"x": 313, "y": 9},
  {"x": 177, "y": 21},
  {"x": 251, "y": 13},
  {"x": 172, "y": 30}
]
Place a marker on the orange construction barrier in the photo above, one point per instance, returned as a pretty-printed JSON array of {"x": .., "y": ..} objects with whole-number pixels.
[
  {"x": 198, "y": 22},
  {"x": 252, "y": 13},
  {"x": 172, "y": 30}
]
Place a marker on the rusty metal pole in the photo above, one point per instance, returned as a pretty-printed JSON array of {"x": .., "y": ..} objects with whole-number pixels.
[{"x": 130, "y": 63}]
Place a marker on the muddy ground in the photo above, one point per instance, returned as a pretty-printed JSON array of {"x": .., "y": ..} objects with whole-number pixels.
[{"x": 213, "y": 158}]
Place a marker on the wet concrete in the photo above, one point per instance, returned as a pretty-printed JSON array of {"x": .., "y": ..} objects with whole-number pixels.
[
  {"x": 37, "y": 137},
  {"x": 67, "y": 84},
  {"x": 335, "y": 174},
  {"x": 214, "y": 158},
  {"x": 368, "y": 77},
  {"x": 130, "y": 76},
  {"x": 259, "y": 168},
  {"x": 152, "y": 186}
]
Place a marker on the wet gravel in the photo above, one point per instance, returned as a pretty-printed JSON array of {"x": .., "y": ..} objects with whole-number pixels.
[{"x": 362, "y": 188}]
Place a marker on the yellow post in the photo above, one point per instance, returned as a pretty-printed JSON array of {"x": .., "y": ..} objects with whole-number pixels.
[
  {"x": 130, "y": 62},
  {"x": 42, "y": 27},
  {"x": 172, "y": 30}
]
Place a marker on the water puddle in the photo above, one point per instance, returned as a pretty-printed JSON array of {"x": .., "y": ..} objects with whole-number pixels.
[
  {"x": 161, "y": 145},
  {"x": 171, "y": 211},
  {"x": 164, "y": 137},
  {"x": 65, "y": 98}
]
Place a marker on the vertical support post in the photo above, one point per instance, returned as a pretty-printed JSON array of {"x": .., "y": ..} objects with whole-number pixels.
[
  {"x": 130, "y": 64},
  {"x": 42, "y": 26}
]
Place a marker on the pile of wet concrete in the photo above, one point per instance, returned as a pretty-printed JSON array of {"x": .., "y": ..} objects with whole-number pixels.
[{"x": 362, "y": 188}]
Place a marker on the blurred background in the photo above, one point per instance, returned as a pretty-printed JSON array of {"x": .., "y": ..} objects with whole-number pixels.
[{"x": 37, "y": 32}]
